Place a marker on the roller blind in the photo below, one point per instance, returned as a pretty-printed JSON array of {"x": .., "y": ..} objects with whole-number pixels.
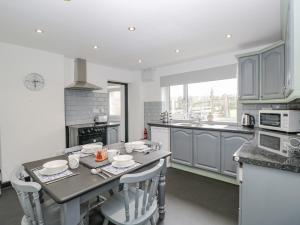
[{"x": 211, "y": 74}]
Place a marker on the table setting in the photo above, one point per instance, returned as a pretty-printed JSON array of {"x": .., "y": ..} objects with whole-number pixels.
[{"x": 104, "y": 161}]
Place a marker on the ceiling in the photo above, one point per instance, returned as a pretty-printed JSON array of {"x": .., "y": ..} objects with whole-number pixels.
[{"x": 196, "y": 27}]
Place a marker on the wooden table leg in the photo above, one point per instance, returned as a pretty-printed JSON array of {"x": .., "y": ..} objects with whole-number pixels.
[
  {"x": 70, "y": 212},
  {"x": 162, "y": 192}
]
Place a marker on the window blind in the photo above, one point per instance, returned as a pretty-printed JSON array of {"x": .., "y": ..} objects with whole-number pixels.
[{"x": 211, "y": 74}]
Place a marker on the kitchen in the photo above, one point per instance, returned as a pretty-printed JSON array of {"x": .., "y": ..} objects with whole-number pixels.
[{"x": 206, "y": 92}]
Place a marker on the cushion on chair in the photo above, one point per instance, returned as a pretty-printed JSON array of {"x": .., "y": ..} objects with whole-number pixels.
[{"x": 114, "y": 209}]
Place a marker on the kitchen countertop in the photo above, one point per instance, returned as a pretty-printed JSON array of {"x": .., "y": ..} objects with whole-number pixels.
[
  {"x": 108, "y": 124},
  {"x": 251, "y": 153},
  {"x": 204, "y": 126}
]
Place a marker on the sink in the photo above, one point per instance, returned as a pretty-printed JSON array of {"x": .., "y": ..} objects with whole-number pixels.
[
  {"x": 183, "y": 124},
  {"x": 217, "y": 126}
]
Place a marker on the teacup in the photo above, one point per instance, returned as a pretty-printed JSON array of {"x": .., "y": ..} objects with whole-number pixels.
[
  {"x": 74, "y": 161},
  {"x": 112, "y": 153}
]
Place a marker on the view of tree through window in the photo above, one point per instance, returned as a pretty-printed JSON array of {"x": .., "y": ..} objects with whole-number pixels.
[{"x": 212, "y": 100}]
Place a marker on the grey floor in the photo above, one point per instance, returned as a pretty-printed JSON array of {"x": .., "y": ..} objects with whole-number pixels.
[{"x": 191, "y": 200}]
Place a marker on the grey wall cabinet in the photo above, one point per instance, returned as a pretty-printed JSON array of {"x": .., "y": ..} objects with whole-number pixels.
[
  {"x": 182, "y": 146},
  {"x": 273, "y": 74},
  {"x": 289, "y": 52},
  {"x": 248, "y": 78},
  {"x": 112, "y": 135},
  {"x": 230, "y": 143},
  {"x": 269, "y": 196},
  {"x": 206, "y": 147}
]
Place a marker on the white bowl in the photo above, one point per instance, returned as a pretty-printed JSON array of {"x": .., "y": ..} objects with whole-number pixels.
[
  {"x": 55, "y": 166},
  {"x": 127, "y": 164},
  {"x": 122, "y": 159}
]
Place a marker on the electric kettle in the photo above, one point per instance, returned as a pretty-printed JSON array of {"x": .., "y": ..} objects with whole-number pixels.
[{"x": 248, "y": 120}]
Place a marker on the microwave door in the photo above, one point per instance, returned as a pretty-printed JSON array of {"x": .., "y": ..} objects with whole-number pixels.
[{"x": 270, "y": 119}]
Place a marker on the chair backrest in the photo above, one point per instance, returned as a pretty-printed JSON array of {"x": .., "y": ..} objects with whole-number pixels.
[
  {"x": 28, "y": 195},
  {"x": 149, "y": 180}
]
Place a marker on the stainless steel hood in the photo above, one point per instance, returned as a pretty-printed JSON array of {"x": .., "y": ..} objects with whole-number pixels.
[{"x": 80, "y": 82}]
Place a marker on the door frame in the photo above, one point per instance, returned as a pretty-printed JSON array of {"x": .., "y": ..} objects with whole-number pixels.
[{"x": 126, "y": 105}]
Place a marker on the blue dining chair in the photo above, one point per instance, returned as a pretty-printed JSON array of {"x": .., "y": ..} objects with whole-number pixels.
[
  {"x": 134, "y": 205},
  {"x": 35, "y": 212}
]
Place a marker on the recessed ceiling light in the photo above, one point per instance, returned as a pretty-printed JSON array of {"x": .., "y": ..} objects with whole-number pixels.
[
  {"x": 131, "y": 28},
  {"x": 96, "y": 47},
  {"x": 140, "y": 61},
  {"x": 39, "y": 31},
  {"x": 177, "y": 50},
  {"x": 228, "y": 36}
]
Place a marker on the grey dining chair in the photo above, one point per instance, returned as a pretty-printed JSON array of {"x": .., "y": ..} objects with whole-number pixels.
[
  {"x": 36, "y": 213},
  {"x": 137, "y": 202}
]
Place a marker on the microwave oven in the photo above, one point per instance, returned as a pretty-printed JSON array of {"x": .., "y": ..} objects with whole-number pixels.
[
  {"x": 280, "y": 120},
  {"x": 274, "y": 142}
]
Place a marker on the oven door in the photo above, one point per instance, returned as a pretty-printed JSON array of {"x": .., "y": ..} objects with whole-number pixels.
[
  {"x": 270, "y": 120},
  {"x": 88, "y": 139}
]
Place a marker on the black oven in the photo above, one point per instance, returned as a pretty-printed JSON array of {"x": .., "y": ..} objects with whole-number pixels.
[{"x": 85, "y": 134}]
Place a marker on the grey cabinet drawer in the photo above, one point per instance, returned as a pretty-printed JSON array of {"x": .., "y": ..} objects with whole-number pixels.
[
  {"x": 248, "y": 77},
  {"x": 273, "y": 74},
  {"x": 206, "y": 147},
  {"x": 182, "y": 146},
  {"x": 230, "y": 143}
]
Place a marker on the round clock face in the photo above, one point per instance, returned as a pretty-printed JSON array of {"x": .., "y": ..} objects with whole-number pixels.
[{"x": 34, "y": 82}]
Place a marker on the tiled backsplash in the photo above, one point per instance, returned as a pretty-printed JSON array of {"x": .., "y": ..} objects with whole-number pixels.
[
  {"x": 254, "y": 108},
  {"x": 152, "y": 112},
  {"x": 81, "y": 106}
]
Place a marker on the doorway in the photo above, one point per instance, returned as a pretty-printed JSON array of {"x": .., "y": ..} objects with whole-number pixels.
[{"x": 118, "y": 106}]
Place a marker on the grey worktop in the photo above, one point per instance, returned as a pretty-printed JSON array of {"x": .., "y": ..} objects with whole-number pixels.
[
  {"x": 108, "y": 124},
  {"x": 204, "y": 126},
  {"x": 84, "y": 182},
  {"x": 251, "y": 153}
]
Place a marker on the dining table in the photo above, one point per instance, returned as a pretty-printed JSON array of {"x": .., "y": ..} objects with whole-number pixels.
[{"x": 75, "y": 190}]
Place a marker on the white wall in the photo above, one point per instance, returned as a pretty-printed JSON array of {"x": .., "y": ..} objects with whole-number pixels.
[
  {"x": 151, "y": 90},
  {"x": 100, "y": 75},
  {"x": 32, "y": 123}
]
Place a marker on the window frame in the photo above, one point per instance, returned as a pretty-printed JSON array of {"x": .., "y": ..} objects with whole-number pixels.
[{"x": 186, "y": 103}]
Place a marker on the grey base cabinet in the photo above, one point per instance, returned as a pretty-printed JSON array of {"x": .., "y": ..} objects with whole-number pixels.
[
  {"x": 230, "y": 143},
  {"x": 206, "y": 147},
  {"x": 112, "y": 135},
  {"x": 269, "y": 196},
  {"x": 182, "y": 146}
]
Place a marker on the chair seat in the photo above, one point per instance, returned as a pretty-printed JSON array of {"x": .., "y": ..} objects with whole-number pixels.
[
  {"x": 51, "y": 213},
  {"x": 113, "y": 208}
]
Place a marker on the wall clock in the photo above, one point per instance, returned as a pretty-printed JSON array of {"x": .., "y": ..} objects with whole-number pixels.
[{"x": 34, "y": 82}]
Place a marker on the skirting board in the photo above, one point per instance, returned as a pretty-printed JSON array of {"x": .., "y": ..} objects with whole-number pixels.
[{"x": 205, "y": 173}]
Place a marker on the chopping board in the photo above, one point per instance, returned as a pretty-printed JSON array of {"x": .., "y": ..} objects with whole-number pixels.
[{"x": 91, "y": 163}]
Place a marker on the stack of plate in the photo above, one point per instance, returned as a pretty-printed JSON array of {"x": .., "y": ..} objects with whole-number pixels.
[
  {"x": 54, "y": 167},
  {"x": 137, "y": 145},
  {"x": 91, "y": 148},
  {"x": 123, "y": 161}
]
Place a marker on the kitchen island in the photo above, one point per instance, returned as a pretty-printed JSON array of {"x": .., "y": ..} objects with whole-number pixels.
[{"x": 269, "y": 185}]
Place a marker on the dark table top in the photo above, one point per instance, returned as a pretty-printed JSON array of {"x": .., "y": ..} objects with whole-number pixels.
[{"x": 72, "y": 187}]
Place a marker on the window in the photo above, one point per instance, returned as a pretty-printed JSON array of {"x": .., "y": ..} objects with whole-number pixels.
[
  {"x": 216, "y": 100},
  {"x": 115, "y": 103},
  {"x": 178, "y": 101}
]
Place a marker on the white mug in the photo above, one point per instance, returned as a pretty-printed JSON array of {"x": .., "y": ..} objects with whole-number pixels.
[
  {"x": 74, "y": 161},
  {"x": 111, "y": 153}
]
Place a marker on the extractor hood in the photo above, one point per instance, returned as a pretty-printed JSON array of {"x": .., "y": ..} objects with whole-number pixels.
[{"x": 80, "y": 82}]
